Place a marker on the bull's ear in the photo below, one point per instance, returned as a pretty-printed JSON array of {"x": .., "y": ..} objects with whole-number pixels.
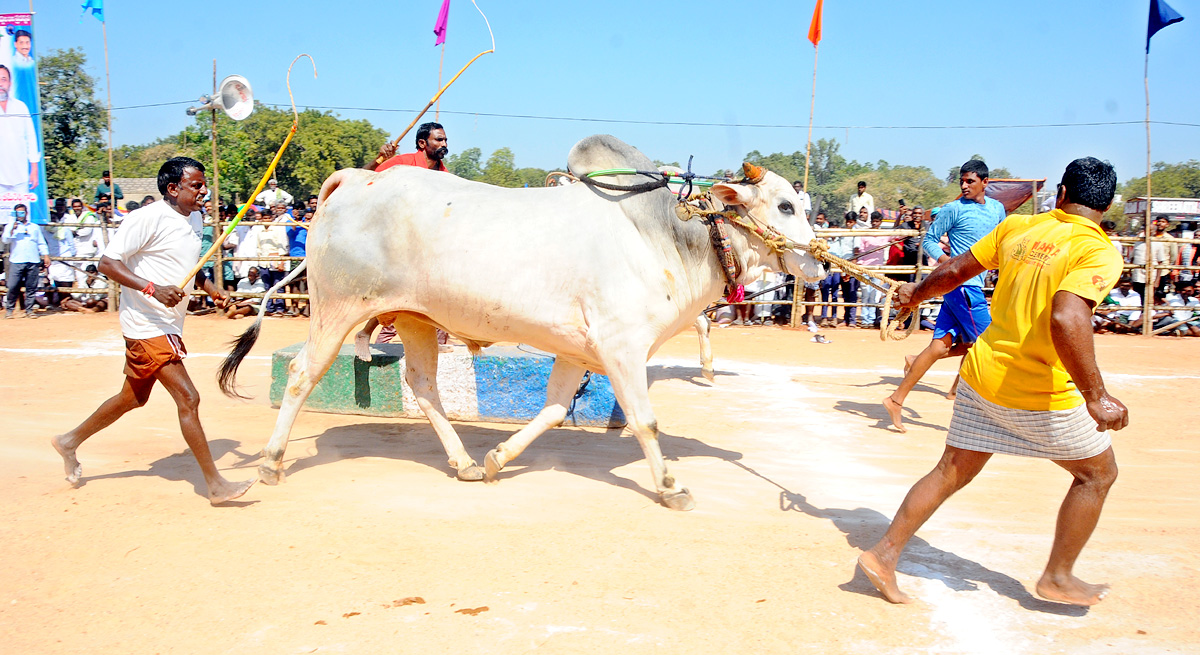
[{"x": 735, "y": 194}]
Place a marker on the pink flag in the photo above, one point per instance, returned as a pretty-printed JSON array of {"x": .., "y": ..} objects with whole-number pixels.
[{"x": 440, "y": 27}]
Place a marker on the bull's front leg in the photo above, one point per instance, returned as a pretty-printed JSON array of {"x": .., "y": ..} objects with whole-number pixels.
[
  {"x": 560, "y": 389},
  {"x": 631, "y": 387}
]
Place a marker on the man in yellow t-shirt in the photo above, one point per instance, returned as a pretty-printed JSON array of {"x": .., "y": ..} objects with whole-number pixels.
[{"x": 1030, "y": 385}]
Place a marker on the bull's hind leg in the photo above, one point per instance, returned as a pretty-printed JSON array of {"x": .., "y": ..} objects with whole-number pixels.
[
  {"x": 564, "y": 380},
  {"x": 318, "y": 353},
  {"x": 632, "y": 389},
  {"x": 420, "y": 354}
]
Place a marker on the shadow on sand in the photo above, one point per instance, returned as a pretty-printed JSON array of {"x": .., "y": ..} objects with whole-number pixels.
[
  {"x": 585, "y": 453},
  {"x": 182, "y": 467},
  {"x": 863, "y": 527}
]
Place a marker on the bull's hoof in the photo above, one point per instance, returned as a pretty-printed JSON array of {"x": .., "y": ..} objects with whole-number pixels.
[
  {"x": 680, "y": 501},
  {"x": 493, "y": 465},
  {"x": 268, "y": 474},
  {"x": 708, "y": 374},
  {"x": 470, "y": 474}
]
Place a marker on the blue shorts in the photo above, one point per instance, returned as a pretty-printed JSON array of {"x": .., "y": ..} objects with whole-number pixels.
[{"x": 964, "y": 315}]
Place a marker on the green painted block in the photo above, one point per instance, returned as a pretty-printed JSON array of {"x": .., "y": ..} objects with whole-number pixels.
[{"x": 351, "y": 386}]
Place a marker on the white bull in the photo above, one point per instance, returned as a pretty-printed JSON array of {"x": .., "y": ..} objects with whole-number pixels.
[{"x": 599, "y": 278}]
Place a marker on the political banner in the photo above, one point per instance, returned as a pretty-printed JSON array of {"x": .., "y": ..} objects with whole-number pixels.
[{"x": 22, "y": 167}]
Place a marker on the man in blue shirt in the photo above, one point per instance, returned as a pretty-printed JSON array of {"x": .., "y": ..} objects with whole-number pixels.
[
  {"x": 28, "y": 254},
  {"x": 964, "y": 313}
]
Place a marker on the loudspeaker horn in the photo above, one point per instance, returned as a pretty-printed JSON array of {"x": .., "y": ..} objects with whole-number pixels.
[{"x": 234, "y": 97}]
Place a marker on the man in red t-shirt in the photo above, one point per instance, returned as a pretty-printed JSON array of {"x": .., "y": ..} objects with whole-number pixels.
[{"x": 431, "y": 150}]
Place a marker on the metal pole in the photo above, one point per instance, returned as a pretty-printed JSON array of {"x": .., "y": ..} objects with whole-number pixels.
[
  {"x": 1148, "y": 296},
  {"x": 215, "y": 216}
]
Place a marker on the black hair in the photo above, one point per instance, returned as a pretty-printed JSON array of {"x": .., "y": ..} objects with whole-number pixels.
[
  {"x": 423, "y": 131},
  {"x": 91, "y": 268},
  {"x": 171, "y": 172},
  {"x": 1090, "y": 182},
  {"x": 1108, "y": 224},
  {"x": 131, "y": 205},
  {"x": 6, "y": 71},
  {"x": 21, "y": 205},
  {"x": 1180, "y": 285},
  {"x": 150, "y": 198},
  {"x": 974, "y": 166},
  {"x": 21, "y": 33},
  {"x": 876, "y": 215},
  {"x": 313, "y": 198},
  {"x": 862, "y": 184},
  {"x": 106, "y": 174},
  {"x": 851, "y": 216}
]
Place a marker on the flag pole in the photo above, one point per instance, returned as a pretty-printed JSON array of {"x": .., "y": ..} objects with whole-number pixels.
[
  {"x": 811, "y": 108},
  {"x": 437, "y": 111},
  {"x": 1148, "y": 297},
  {"x": 112, "y": 196}
]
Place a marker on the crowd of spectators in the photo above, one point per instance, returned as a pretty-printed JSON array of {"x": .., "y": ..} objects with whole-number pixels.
[
  {"x": 52, "y": 268},
  {"x": 1173, "y": 285},
  {"x": 1121, "y": 311}
]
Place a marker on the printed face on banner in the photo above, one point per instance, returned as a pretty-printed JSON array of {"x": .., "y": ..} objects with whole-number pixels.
[{"x": 22, "y": 169}]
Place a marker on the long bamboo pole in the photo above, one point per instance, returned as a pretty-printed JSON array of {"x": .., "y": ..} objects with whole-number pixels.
[
  {"x": 437, "y": 111},
  {"x": 114, "y": 298},
  {"x": 1148, "y": 295},
  {"x": 811, "y": 108}
]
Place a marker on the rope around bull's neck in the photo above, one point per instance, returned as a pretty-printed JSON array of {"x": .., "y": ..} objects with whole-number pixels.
[{"x": 819, "y": 249}]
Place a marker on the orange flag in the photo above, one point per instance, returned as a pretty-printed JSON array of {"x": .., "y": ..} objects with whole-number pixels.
[{"x": 814, "y": 30}]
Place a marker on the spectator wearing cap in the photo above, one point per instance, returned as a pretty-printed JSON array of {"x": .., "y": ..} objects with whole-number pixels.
[{"x": 107, "y": 188}]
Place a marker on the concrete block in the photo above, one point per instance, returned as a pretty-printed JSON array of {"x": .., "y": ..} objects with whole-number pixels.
[{"x": 503, "y": 384}]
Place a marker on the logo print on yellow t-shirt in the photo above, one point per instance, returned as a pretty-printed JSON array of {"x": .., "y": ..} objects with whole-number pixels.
[{"x": 1098, "y": 282}]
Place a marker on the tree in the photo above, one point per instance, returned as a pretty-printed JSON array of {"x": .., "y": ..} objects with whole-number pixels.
[
  {"x": 72, "y": 120},
  {"x": 467, "y": 164},
  {"x": 499, "y": 169}
]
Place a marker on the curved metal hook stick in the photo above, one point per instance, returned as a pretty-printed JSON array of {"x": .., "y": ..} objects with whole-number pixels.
[
  {"x": 262, "y": 182},
  {"x": 296, "y": 116},
  {"x": 396, "y": 142}
]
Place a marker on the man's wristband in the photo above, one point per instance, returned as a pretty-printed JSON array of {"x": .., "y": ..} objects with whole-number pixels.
[{"x": 149, "y": 290}]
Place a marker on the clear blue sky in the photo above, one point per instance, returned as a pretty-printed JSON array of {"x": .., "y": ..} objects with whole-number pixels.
[{"x": 882, "y": 63}]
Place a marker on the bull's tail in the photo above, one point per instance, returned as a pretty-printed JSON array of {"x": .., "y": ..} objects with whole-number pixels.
[{"x": 227, "y": 373}]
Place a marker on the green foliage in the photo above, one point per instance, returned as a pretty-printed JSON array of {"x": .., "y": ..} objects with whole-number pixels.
[
  {"x": 1169, "y": 181},
  {"x": 72, "y": 121},
  {"x": 834, "y": 179},
  {"x": 467, "y": 164}
]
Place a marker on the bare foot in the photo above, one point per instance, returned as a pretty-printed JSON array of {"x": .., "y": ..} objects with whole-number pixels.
[
  {"x": 229, "y": 491},
  {"x": 1072, "y": 591},
  {"x": 70, "y": 463},
  {"x": 883, "y": 578},
  {"x": 953, "y": 393},
  {"x": 362, "y": 346},
  {"x": 908, "y": 362},
  {"x": 893, "y": 409}
]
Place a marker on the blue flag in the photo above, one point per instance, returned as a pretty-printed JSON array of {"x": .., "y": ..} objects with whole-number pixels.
[
  {"x": 1161, "y": 15},
  {"x": 97, "y": 7}
]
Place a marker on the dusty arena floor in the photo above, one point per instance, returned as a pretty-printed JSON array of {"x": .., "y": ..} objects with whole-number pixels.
[{"x": 372, "y": 546}]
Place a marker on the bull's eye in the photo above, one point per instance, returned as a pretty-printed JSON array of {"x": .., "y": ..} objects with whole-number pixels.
[{"x": 785, "y": 207}]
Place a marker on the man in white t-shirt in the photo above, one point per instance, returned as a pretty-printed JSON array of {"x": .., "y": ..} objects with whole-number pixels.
[
  {"x": 272, "y": 195},
  {"x": 156, "y": 246}
]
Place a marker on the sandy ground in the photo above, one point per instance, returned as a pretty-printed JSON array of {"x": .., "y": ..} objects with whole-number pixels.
[{"x": 371, "y": 545}]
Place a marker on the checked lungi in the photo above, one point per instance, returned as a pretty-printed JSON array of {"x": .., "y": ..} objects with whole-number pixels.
[{"x": 1060, "y": 434}]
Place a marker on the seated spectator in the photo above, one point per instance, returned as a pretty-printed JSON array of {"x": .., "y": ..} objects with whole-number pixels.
[
  {"x": 89, "y": 303},
  {"x": 297, "y": 239},
  {"x": 1110, "y": 319},
  {"x": 1185, "y": 298},
  {"x": 252, "y": 283}
]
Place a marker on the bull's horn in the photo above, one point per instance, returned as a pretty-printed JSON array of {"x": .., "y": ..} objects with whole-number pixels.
[{"x": 754, "y": 174}]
